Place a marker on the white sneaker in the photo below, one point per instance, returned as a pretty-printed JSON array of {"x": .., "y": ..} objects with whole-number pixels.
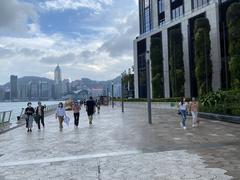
[
  {"x": 193, "y": 126},
  {"x": 184, "y": 127}
]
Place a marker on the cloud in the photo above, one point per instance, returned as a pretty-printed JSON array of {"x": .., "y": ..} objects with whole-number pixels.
[
  {"x": 15, "y": 16},
  {"x": 63, "y": 59},
  {"x": 100, "y": 55},
  {"x": 121, "y": 43},
  {"x": 95, "y": 5}
]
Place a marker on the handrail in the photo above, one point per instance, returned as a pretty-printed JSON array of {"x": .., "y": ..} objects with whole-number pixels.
[{"x": 5, "y": 116}]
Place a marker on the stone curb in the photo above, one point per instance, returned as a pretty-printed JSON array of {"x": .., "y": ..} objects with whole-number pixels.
[{"x": 220, "y": 117}]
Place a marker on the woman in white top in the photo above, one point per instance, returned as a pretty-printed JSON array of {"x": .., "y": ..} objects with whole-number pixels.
[
  {"x": 60, "y": 113},
  {"x": 183, "y": 110}
]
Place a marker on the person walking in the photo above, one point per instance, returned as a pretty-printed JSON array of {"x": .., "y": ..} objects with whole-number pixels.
[
  {"x": 29, "y": 111},
  {"x": 90, "y": 108},
  {"x": 40, "y": 115},
  {"x": 98, "y": 106},
  {"x": 76, "y": 113},
  {"x": 183, "y": 111},
  {"x": 193, "y": 108},
  {"x": 60, "y": 113}
]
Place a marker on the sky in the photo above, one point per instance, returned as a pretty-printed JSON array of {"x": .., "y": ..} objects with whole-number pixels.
[{"x": 87, "y": 38}]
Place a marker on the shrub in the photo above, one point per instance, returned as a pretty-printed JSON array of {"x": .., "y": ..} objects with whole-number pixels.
[{"x": 221, "y": 102}]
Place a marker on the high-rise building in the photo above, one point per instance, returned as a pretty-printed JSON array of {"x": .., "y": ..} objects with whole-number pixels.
[
  {"x": 58, "y": 82},
  {"x": 13, "y": 87},
  {"x": 23, "y": 91},
  {"x": 66, "y": 86},
  {"x": 44, "y": 90},
  {"x": 157, "y": 19},
  {"x": 57, "y": 75},
  {"x": 1, "y": 94},
  {"x": 34, "y": 90}
]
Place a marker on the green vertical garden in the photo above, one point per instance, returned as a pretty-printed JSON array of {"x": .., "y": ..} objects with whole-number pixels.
[
  {"x": 176, "y": 65},
  {"x": 203, "y": 63},
  {"x": 157, "y": 67},
  {"x": 233, "y": 24}
]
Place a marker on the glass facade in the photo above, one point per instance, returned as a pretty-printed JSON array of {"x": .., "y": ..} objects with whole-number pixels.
[
  {"x": 147, "y": 16},
  {"x": 142, "y": 81},
  {"x": 177, "y": 8},
  {"x": 199, "y": 3},
  {"x": 161, "y": 12},
  {"x": 177, "y": 12}
]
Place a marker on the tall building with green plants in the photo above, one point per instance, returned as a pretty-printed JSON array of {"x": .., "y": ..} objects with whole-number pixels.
[{"x": 190, "y": 48}]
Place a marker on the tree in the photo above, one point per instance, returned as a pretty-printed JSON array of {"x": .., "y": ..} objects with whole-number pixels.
[
  {"x": 233, "y": 24},
  {"x": 176, "y": 65},
  {"x": 203, "y": 69},
  {"x": 157, "y": 67}
]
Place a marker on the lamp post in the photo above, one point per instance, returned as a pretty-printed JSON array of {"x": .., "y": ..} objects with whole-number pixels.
[
  {"x": 107, "y": 96},
  {"x": 122, "y": 91},
  {"x": 112, "y": 96},
  {"x": 148, "y": 88}
]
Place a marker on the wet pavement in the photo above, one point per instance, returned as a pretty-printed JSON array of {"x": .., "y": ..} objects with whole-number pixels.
[{"x": 123, "y": 146}]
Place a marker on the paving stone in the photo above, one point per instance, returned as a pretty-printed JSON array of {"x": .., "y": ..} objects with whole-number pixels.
[{"x": 124, "y": 146}]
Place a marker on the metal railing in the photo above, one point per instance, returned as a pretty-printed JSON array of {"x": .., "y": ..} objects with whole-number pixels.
[{"x": 5, "y": 117}]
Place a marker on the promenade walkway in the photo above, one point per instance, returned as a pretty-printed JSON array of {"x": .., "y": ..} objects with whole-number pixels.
[{"x": 122, "y": 146}]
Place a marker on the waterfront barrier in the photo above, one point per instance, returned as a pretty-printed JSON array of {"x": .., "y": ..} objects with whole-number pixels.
[{"x": 5, "y": 117}]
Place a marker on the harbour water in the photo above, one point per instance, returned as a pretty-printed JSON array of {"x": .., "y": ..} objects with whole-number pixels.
[{"x": 16, "y": 107}]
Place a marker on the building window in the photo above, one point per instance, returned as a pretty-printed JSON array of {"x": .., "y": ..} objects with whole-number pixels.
[
  {"x": 199, "y": 3},
  {"x": 161, "y": 6},
  {"x": 177, "y": 8},
  {"x": 161, "y": 12},
  {"x": 177, "y": 12},
  {"x": 147, "y": 16}
]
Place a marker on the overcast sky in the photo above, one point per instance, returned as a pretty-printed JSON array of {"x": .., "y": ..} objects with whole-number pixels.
[{"x": 88, "y": 38}]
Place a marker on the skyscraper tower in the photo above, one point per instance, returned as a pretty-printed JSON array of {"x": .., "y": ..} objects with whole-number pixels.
[
  {"x": 13, "y": 87},
  {"x": 58, "y": 82},
  {"x": 57, "y": 75}
]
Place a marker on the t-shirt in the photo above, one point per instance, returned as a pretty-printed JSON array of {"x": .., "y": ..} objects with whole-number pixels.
[
  {"x": 90, "y": 105},
  {"x": 29, "y": 111},
  {"x": 183, "y": 106},
  {"x": 60, "y": 112},
  {"x": 194, "y": 106},
  {"x": 76, "y": 108}
]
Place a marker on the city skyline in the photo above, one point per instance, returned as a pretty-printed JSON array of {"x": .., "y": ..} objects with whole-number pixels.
[{"x": 85, "y": 42}]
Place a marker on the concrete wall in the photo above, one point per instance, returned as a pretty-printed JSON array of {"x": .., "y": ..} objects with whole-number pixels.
[
  {"x": 184, "y": 28},
  {"x": 165, "y": 63},
  {"x": 136, "y": 90},
  {"x": 213, "y": 17},
  {"x": 148, "y": 43},
  {"x": 154, "y": 14}
]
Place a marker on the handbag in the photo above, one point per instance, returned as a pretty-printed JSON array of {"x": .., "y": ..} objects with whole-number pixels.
[
  {"x": 36, "y": 118},
  {"x": 66, "y": 120}
]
